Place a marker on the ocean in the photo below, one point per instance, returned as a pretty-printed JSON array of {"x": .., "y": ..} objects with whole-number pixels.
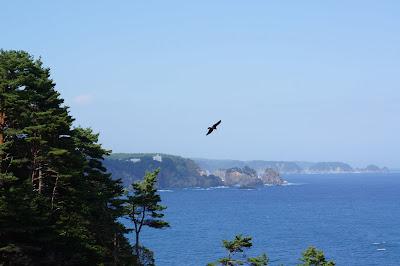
[{"x": 353, "y": 218}]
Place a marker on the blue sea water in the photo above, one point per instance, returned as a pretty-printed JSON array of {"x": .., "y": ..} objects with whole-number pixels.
[{"x": 353, "y": 218}]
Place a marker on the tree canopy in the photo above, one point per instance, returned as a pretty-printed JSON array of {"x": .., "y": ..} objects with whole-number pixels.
[
  {"x": 314, "y": 257},
  {"x": 235, "y": 256},
  {"x": 58, "y": 205}
]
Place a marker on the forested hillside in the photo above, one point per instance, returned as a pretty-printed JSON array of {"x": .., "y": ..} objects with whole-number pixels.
[{"x": 175, "y": 171}]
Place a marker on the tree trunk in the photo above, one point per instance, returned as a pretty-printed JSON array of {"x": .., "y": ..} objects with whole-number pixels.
[
  {"x": 137, "y": 244},
  {"x": 2, "y": 123},
  {"x": 33, "y": 179},
  {"x": 115, "y": 250},
  {"x": 36, "y": 173},
  {"x": 53, "y": 196},
  {"x": 40, "y": 177}
]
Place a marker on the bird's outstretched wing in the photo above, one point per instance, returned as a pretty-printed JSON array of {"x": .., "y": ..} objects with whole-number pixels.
[
  {"x": 216, "y": 124},
  {"x": 209, "y": 131}
]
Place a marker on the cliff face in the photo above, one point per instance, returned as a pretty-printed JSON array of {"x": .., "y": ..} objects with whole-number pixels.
[
  {"x": 248, "y": 177},
  {"x": 245, "y": 177},
  {"x": 271, "y": 177}
]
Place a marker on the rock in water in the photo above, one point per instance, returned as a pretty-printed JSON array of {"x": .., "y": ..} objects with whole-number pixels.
[
  {"x": 271, "y": 177},
  {"x": 242, "y": 177}
]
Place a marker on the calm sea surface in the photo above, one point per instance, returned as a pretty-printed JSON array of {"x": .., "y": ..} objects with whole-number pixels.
[{"x": 354, "y": 218}]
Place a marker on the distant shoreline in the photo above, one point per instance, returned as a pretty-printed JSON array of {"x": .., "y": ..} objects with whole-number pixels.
[
  {"x": 342, "y": 173},
  {"x": 180, "y": 172}
]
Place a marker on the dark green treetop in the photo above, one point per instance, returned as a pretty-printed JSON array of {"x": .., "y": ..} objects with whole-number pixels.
[
  {"x": 314, "y": 257},
  {"x": 236, "y": 247}
]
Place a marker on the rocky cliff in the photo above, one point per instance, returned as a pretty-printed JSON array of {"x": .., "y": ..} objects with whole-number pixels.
[
  {"x": 243, "y": 177},
  {"x": 248, "y": 177},
  {"x": 271, "y": 177}
]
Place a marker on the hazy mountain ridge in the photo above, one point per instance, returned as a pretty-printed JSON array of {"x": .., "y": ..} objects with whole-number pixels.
[{"x": 287, "y": 167}]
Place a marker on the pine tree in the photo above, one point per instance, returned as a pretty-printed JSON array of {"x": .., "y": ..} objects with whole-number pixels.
[
  {"x": 314, "y": 257},
  {"x": 235, "y": 249},
  {"x": 58, "y": 205},
  {"x": 143, "y": 207}
]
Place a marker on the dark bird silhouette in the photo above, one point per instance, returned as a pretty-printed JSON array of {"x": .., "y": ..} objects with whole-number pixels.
[{"x": 214, "y": 127}]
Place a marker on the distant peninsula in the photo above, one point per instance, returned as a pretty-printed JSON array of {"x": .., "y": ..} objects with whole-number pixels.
[
  {"x": 175, "y": 171},
  {"x": 180, "y": 172}
]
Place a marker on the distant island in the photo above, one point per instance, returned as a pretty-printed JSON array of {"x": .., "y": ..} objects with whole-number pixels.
[{"x": 180, "y": 172}]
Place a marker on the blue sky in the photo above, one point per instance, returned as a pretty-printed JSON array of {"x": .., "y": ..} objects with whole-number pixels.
[{"x": 291, "y": 80}]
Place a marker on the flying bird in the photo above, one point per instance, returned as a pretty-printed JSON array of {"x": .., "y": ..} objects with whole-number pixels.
[{"x": 214, "y": 127}]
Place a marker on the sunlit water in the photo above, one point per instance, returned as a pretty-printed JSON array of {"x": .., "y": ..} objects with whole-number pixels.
[{"x": 354, "y": 218}]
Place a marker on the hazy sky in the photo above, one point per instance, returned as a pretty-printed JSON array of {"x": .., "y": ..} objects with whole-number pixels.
[{"x": 291, "y": 80}]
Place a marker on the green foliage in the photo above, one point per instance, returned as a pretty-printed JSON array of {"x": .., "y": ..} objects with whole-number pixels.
[
  {"x": 58, "y": 206},
  {"x": 143, "y": 208},
  {"x": 314, "y": 257},
  {"x": 261, "y": 260},
  {"x": 238, "y": 244},
  {"x": 235, "y": 249}
]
